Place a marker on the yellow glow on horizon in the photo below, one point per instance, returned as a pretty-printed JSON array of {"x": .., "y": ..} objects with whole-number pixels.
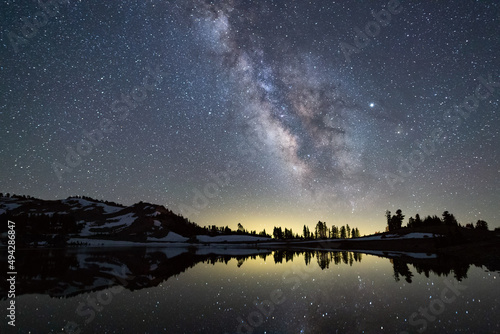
[{"x": 295, "y": 220}]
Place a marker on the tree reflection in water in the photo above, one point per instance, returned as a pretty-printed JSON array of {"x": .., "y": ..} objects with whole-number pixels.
[{"x": 70, "y": 272}]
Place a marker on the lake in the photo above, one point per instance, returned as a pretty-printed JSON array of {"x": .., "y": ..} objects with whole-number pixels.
[{"x": 188, "y": 290}]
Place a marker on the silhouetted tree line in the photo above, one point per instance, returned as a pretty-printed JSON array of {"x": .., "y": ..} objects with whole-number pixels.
[
  {"x": 321, "y": 231},
  {"x": 96, "y": 200},
  {"x": 335, "y": 232},
  {"x": 70, "y": 197},
  {"x": 395, "y": 222},
  {"x": 214, "y": 230},
  {"x": 480, "y": 225},
  {"x": 279, "y": 233},
  {"x": 34, "y": 228},
  {"x": 181, "y": 225},
  {"x": 16, "y": 196}
]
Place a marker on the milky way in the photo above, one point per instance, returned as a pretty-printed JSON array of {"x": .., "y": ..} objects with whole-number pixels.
[
  {"x": 295, "y": 112},
  {"x": 265, "y": 113}
]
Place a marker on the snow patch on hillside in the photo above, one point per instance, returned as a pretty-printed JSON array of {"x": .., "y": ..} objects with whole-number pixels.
[
  {"x": 105, "y": 243},
  {"x": 230, "y": 238},
  {"x": 120, "y": 243},
  {"x": 77, "y": 203},
  {"x": 108, "y": 209},
  {"x": 170, "y": 237},
  {"x": 420, "y": 235},
  {"x": 119, "y": 221},
  {"x": 413, "y": 235},
  {"x": 10, "y": 206},
  {"x": 125, "y": 220},
  {"x": 80, "y": 202}
]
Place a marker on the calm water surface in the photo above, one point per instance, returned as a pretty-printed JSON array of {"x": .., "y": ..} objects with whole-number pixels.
[{"x": 249, "y": 291}]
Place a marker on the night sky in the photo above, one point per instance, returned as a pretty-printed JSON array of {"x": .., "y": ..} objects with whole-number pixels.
[{"x": 266, "y": 113}]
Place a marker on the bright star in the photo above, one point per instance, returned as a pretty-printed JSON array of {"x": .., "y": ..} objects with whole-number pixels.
[{"x": 372, "y": 105}]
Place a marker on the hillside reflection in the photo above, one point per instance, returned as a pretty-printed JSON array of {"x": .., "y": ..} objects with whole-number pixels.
[{"x": 70, "y": 272}]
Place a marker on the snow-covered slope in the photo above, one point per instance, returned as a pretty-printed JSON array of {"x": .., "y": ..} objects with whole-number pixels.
[
  {"x": 104, "y": 220},
  {"x": 170, "y": 237},
  {"x": 397, "y": 236},
  {"x": 99, "y": 223},
  {"x": 230, "y": 238}
]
